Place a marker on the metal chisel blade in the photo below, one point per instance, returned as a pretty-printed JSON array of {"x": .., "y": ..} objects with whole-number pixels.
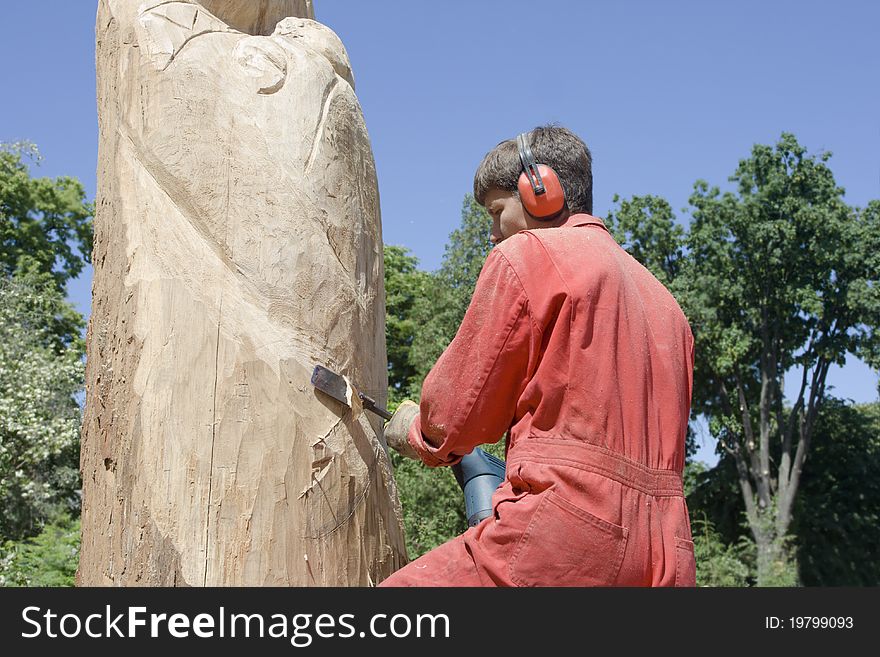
[
  {"x": 339, "y": 388},
  {"x": 332, "y": 384}
]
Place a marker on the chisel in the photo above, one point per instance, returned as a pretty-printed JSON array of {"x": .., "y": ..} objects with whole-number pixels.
[{"x": 336, "y": 386}]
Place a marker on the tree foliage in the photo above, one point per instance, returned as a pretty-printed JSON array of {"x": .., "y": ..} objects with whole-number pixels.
[
  {"x": 645, "y": 226},
  {"x": 404, "y": 285},
  {"x": 39, "y": 414},
  {"x": 45, "y": 223},
  {"x": 439, "y": 312},
  {"x": 720, "y": 563},
  {"x": 45, "y": 240},
  {"x": 48, "y": 559},
  {"x": 779, "y": 274},
  {"x": 837, "y": 519}
]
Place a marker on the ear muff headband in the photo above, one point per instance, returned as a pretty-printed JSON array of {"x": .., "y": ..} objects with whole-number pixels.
[{"x": 539, "y": 188}]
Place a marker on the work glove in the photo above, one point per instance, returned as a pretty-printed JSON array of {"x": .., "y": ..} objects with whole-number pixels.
[{"x": 398, "y": 426}]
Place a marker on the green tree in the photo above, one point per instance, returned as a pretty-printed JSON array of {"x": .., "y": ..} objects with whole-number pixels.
[
  {"x": 45, "y": 240},
  {"x": 45, "y": 224},
  {"x": 39, "y": 414},
  {"x": 404, "y": 285},
  {"x": 837, "y": 524},
  {"x": 48, "y": 559},
  {"x": 645, "y": 226},
  {"x": 439, "y": 312},
  {"x": 779, "y": 274}
]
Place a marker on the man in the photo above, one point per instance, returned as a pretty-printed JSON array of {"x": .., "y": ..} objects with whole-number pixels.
[{"x": 586, "y": 359}]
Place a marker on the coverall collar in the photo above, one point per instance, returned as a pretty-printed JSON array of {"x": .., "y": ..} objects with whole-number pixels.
[{"x": 583, "y": 220}]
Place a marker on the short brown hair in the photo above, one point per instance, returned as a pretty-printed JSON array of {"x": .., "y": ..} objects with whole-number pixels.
[{"x": 555, "y": 146}]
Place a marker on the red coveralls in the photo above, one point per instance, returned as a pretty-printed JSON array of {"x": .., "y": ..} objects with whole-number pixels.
[{"x": 587, "y": 359}]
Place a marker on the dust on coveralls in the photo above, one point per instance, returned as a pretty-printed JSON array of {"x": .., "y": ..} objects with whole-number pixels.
[{"x": 586, "y": 358}]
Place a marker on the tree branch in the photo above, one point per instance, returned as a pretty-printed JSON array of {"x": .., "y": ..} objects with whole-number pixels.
[
  {"x": 745, "y": 485},
  {"x": 778, "y": 384},
  {"x": 817, "y": 394},
  {"x": 742, "y": 469},
  {"x": 785, "y": 459},
  {"x": 768, "y": 379},
  {"x": 757, "y": 475},
  {"x": 728, "y": 410}
]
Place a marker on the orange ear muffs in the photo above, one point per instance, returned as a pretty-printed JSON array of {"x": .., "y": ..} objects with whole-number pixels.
[{"x": 539, "y": 188}]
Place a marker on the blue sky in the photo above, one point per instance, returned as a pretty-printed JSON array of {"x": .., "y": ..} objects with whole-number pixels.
[{"x": 664, "y": 93}]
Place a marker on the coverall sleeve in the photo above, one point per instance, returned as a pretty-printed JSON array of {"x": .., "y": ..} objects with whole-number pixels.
[{"x": 470, "y": 395}]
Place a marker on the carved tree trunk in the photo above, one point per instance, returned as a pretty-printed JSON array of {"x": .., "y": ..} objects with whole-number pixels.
[{"x": 237, "y": 244}]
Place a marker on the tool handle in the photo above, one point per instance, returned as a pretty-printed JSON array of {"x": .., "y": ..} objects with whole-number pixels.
[{"x": 370, "y": 404}]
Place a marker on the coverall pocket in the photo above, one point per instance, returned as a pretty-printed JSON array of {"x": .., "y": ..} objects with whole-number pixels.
[
  {"x": 564, "y": 545},
  {"x": 685, "y": 566}
]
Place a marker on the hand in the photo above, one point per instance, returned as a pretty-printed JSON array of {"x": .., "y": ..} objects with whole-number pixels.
[{"x": 398, "y": 426}]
